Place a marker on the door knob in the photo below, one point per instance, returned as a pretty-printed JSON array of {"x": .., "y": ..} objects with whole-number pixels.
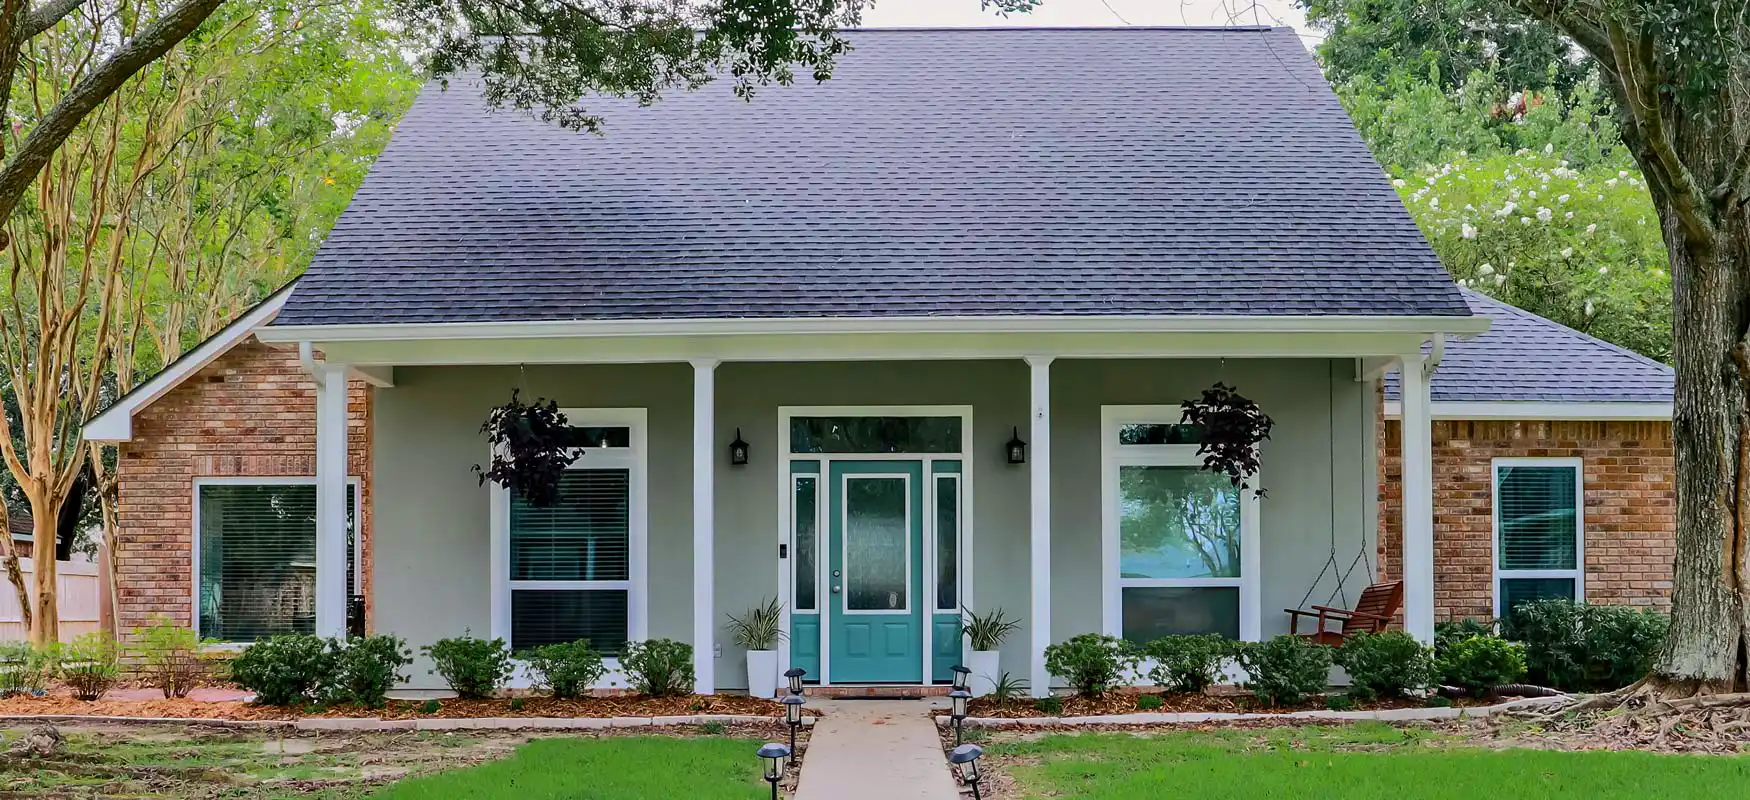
[{"x": 835, "y": 588}]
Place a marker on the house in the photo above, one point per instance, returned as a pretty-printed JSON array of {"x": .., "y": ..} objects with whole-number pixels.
[
  {"x": 967, "y": 241},
  {"x": 1553, "y": 470}
]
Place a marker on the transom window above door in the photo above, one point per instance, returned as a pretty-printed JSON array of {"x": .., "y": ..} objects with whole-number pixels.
[{"x": 875, "y": 434}]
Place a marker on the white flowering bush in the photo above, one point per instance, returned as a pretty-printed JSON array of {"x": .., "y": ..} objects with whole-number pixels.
[{"x": 1581, "y": 247}]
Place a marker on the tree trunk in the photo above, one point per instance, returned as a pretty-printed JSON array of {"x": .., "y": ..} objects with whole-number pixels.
[
  {"x": 47, "y": 627},
  {"x": 1711, "y": 439},
  {"x": 15, "y": 574}
]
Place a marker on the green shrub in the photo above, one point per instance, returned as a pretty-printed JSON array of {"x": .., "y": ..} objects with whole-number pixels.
[
  {"x": 284, "y": 670},
  {"x": 1090, "y": 663},
  {"x": 1284, "y": 671},
  {"x": 1049, "y": 704},
  {"x": 565, "y": 670},
  {"x": 1452, "y": 631},
  {"x": 474, "y": 668},
  {"x": 989, "y": 631},
  {"x": 1187, "y": 663},
  {"x": 25, "y": 669},
  {"x": 1340, "y": 702},
  {"x": 1149, "y": 702},
  {"x": 90, "y": 665},
  {"x": 659, "y": 667},
  {"x": 431, "y": 706},
  {"x": 1580, "y": 647},
  {"x": 170, "y": 657},
  {"x": 516, "y": 704},
  {"x": 1481, "y": 663},
  {"x": 366, "y": 668},
  {"x": 1389, "y": 664},
  {"x": 1436, "y": 701},
  {"x": 1007, "y": 689}
]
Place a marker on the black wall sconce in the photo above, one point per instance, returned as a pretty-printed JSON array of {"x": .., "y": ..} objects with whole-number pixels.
[
  {"x": 1017, "y": 449},
  {"x": 738, "y": 451}
]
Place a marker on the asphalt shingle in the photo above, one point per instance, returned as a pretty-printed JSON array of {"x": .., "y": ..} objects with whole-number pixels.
[
  {"x": 1524, "y": 357},
  {"x": 939, "y": 172}
]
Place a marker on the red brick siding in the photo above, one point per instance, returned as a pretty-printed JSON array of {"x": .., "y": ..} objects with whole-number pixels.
[
  {"x": 252, "y": 412},
  {"x": 1629, "y": 507}
]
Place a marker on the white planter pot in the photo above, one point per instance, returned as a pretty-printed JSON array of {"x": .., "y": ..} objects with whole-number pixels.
[
  {"x": 762, "y": 673},
  {"x": 986, "y": 669}
]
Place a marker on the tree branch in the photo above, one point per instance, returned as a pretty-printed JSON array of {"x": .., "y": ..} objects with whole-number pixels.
[
  {"x": 45, "y": 16},
  {"x": 1644, "y": 108},
  {"x": 61, "y": 120},
  {"x": 1733, "y": 184}
]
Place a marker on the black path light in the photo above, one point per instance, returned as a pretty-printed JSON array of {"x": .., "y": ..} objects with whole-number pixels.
[
  {"x": 793, "y": 715},
  {"x": 958, "y": 711},
  {"x": 965, "y": 758},
  {"x": 775, "y": 755},
  {"x": 794, "y": 675},
  {"x": 962, "y": 676}
]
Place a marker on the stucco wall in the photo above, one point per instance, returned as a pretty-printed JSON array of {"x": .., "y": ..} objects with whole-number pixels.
[{"x": 433, "y": 528}]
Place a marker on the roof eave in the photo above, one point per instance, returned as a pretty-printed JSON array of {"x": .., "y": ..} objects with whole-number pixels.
[
  {"x": 1430, "y": 325},
  {"x": 1541, "y": 410}
]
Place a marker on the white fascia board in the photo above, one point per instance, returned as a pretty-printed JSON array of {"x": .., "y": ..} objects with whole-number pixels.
[
  {"x": 116, "y": 423},
  {"x": 1535, "y": 410},
  {"x": 877, "y": 325}
]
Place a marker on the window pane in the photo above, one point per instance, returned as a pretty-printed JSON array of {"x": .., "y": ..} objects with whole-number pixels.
[
  {"x": 1537, "y": 515},
  {"x": 258, "y": 560},
  {"x": 876, "y": 533},
  {"x": 875, "y": 435},
  {"x": 1177, "y": 522},
  {"x": 806, "y": 519},
  {"x": 1518, "y": 590},
  {"x": 1159, "y": 433},
  {"x": 582, "y": 537},
  {"x": 616, "y": 436},
  {"x": 540, "y": 617},
  {"x": 947, "y": 543},
  {"x": 1154, "y": 611}
]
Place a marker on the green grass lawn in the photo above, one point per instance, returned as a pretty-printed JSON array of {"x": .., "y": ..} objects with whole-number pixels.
[
  {"x": 1362, "y": 762},
  {"x": 623, "y": 768}
]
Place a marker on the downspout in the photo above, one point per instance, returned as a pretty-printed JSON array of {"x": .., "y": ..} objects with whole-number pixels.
[
  {"x": 307, "y": 359},
  {"x": 1431, "y": 361}
]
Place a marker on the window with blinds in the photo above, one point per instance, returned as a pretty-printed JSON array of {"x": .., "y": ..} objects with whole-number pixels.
[
  {"x": 570, "y": 563},
  {"x": 257, "y": 549},
  {"x": 1538, "y": 524}
]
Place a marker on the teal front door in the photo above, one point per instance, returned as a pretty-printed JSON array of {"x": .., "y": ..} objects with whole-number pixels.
[{"x": 875, "y": 571}]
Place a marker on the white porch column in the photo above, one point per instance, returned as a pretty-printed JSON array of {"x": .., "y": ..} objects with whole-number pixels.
[
  {"x": 1039, "y": 526},
  {"x": 1417, "y": 483},
  {"x": 331, "y": 488},
  {"x": 704, "y": 531}
]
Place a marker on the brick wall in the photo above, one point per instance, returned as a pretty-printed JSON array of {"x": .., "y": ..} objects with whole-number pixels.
[
  {"x": 252, "y": 412},
  {"x": 1629, "y": 507}
]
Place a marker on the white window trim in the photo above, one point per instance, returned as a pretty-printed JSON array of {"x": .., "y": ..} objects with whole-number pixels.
[
  {"x": 965, "y": 460},
  {"x": 1578, "y": 573},
  {"x": 636, "y": 460},
  {"x": 1112, "y": 456},
  {"x": 194, "y": 607}
]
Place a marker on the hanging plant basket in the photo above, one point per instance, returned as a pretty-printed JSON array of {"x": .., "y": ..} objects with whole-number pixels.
[
  {"x": 530, "y": 449},
  {"x": 1232, "y": 426}
]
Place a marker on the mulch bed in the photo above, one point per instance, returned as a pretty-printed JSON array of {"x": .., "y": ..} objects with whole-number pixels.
[
  {"x": 589, "y": 707},
  {"x": 1124, "y": 702}
]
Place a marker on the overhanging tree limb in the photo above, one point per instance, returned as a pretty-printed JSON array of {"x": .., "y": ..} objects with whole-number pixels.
[
  {"x": 45, "y": 16},
  {"x": 62, "y": 118},
  {"x": 1633, "y": 68}
]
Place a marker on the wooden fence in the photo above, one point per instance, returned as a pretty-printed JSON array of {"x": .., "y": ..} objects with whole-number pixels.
[{"x": 81, "y": 601}]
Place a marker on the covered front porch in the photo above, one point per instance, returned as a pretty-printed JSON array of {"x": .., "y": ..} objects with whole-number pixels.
[{"x": 879, "y": 500}]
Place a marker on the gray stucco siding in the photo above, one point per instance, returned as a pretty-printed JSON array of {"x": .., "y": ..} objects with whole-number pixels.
[{"x": 432, "y": 524}]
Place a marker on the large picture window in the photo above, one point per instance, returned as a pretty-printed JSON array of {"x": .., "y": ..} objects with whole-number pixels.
[
  {"x": 1179, "y": 542},
  {"x": 1538, "y": 531},
  {"x": 572, "y": 571},
  {"x": 256, "y": 557}
]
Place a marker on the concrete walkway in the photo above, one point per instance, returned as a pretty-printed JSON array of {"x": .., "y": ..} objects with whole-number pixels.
[{"x": 875, "y": 750}]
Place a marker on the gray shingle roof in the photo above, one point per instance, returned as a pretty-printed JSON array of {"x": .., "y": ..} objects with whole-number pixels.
[
  {"x": 1524, "y": 357},
  {"x": 940, "y": 172}
]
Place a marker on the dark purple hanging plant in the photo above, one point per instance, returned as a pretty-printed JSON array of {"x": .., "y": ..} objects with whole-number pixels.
[
  {"x": 1232, "y": 426},
  {"x": 530, "y": 449}
]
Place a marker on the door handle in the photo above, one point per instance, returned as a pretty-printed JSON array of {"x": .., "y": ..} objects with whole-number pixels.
[{"x": 835, "y": 588}]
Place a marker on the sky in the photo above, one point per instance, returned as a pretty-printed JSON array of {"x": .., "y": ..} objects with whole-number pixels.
[{"x": 1079, "y": 13}]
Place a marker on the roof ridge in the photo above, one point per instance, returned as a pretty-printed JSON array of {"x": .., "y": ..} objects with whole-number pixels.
[{"x": 1550, "y": 323}]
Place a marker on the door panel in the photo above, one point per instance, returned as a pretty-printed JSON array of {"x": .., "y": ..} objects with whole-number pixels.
[{"x": 875, "y": 571}]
